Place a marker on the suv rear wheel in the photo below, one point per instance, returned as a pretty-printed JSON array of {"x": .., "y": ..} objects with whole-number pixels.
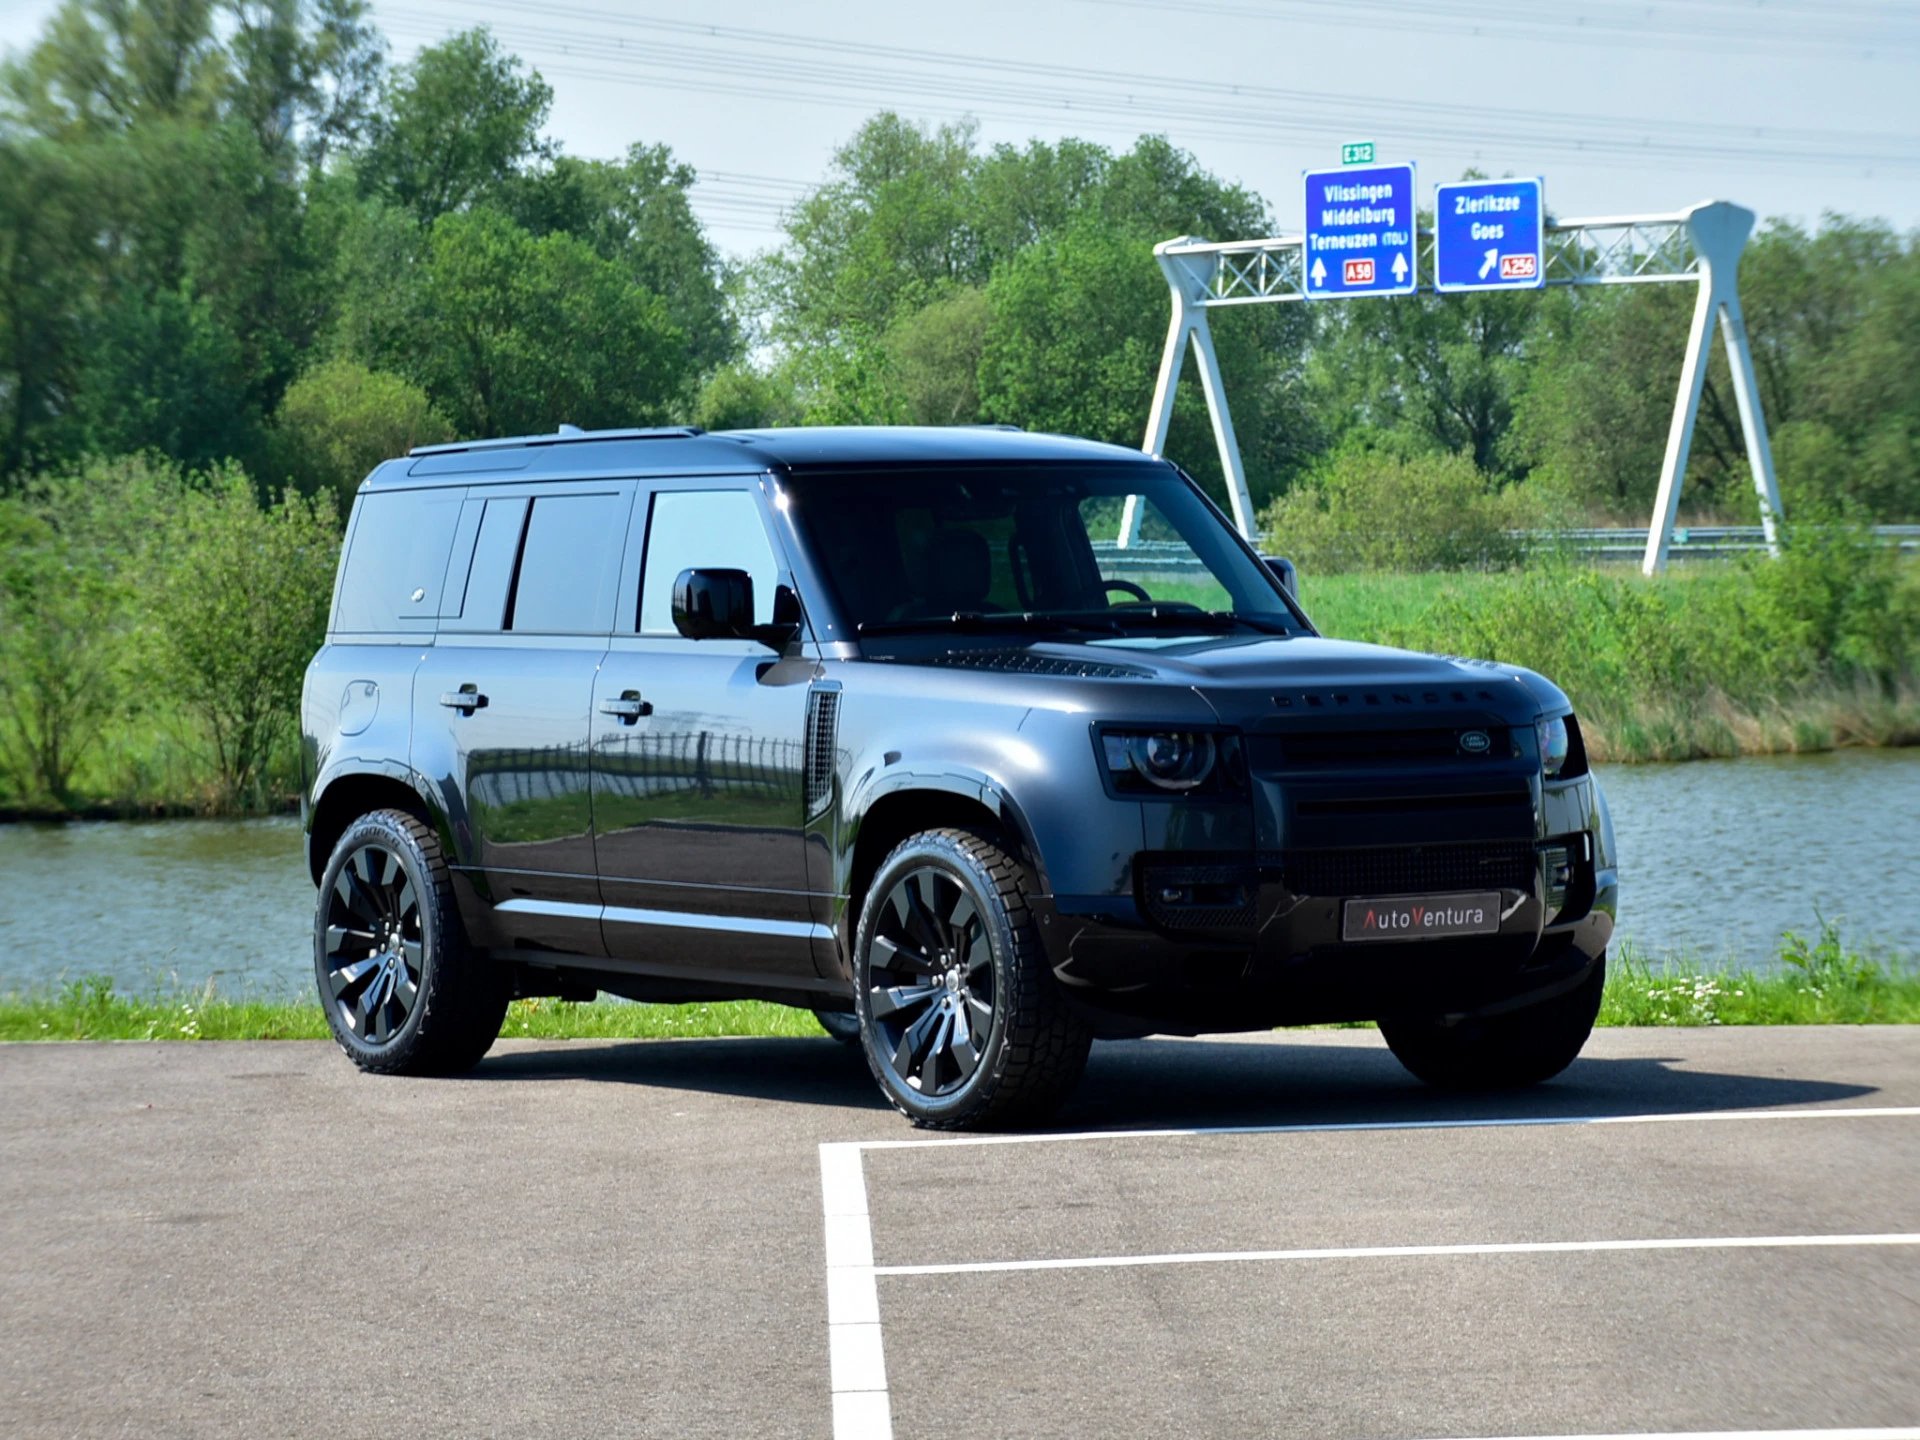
[
  {"x": 403, "y": 991},
  {"x": 1501, "y": 1052},
  {"x": 960, "y": 1017}
]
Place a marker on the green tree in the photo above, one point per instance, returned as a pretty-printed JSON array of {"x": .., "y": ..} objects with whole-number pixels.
[
  {"x": 341, "y": 419},
  {"x": 1074, "y": 342},
  {"x": 739, "y": 397},
  {"x": 1438, "y": 372},
  {"x": 237, "y": 604},
  {"x": 516, "y": 334},
  {"x": 637, "y": 213},
  {"x": 72, "y": 558},
  {"x": 455, "y": 125},
  {"x": 57, "y": 652},
  {"x": 934, "y": 355}
]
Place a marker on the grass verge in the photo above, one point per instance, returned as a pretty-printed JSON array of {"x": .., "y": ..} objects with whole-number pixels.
[{"x": 1819, "y": 981}]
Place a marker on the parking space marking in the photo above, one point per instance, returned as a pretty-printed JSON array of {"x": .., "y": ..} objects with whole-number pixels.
[
  {"x": 862, "y": 1409},
  {"x": 1898, "y": 1432},
  {"x": 1404, "y": 1252},
  {"x": 856, "y": 1356},
  {"x": 1836, "y": 1112}
]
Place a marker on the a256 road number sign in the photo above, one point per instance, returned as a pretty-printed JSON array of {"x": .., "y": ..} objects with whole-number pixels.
[{"x": 1489, "y": 235}]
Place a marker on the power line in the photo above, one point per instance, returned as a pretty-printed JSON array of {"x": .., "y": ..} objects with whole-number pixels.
[
  {"x": 1738, "y": 24},
  {"x": 783, "y": 43},
  {"x": 1294, "y": 114}
]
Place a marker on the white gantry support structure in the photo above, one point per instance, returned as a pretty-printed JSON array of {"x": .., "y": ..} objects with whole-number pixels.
[{"x": 1700, "y": 245}]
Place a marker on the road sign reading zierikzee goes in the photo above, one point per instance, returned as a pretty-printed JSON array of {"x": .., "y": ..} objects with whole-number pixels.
[
  {"x": 1489, "y": 235},
  {"x": 1360, "y": 232}
]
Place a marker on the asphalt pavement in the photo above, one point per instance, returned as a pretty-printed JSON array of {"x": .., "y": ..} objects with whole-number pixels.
[{"x": 1263, "y": 1236}]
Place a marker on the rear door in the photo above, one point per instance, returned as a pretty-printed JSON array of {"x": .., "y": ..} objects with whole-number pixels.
[
  {"x": 699, "y": 752},
  {"x": 502, "y": 703}
]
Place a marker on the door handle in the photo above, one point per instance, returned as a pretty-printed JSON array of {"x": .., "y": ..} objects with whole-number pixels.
[
  {"x": 466, "y": 699},
  {"x": 629, "y": 707}
]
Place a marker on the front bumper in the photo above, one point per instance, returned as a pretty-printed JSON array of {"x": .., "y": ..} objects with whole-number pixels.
[{"x": 1253, "y": 949}]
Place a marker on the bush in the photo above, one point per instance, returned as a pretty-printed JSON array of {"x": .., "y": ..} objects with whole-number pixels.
[
  {"x": 237, "y": 606},
  {"x": 69, "y": 547},
  {"x": 340, "y": 419},
  {"x": 1368, "y": 510}
]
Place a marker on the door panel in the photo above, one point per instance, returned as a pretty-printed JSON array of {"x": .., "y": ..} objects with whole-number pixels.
[
  {"x": 698, "y": 760},
  {"x": 502, "y": 704},
  {"x": 520, "y": 760}
]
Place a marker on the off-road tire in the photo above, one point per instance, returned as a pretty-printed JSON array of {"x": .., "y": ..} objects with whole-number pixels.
[
  {"x": 841, "y": 1025},
  {"x": 1509, "y": 1051},
  {"x": 461, "y": 996},
  {"x": 1036, "y": 1046}
]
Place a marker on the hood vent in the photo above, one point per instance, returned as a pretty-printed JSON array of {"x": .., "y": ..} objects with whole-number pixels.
[{"x": 1026, "y": 662}]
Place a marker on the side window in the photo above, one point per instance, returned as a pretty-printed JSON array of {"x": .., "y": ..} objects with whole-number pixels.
[
  {"x": 397, "y": 560},
  {"x": 704, "y": 530},
  {"x": 490, "y": 576},
  {"x": 569, "y": 564}
]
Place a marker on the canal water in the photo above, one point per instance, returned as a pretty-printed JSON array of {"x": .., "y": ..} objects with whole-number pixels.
[{"x": 1718, "y": 857}]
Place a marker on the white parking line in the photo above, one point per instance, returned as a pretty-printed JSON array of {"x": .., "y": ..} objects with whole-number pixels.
[
  {"x": 1898, "y": 1432},
  {"x": 1404, "y": 1252},
  {"x": 1838, "y": 1112},
  {"x": 857, "y": 1359}
]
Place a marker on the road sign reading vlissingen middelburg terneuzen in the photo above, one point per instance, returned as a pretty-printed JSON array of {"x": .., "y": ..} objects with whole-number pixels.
[
  {"x": 1360, "y": 232},
  {"x": 1489, "y": 235}
]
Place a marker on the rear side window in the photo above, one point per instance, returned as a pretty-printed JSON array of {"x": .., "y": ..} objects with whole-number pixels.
[
  {"x": 569, "y": 565},
  {"x": 397, "y": 560}
]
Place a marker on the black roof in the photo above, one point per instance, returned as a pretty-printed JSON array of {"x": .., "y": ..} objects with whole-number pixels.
[{"x": 684, "y": 451}]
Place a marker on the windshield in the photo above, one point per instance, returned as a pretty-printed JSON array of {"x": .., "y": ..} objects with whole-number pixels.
[{"x": 1032, "y": 548}]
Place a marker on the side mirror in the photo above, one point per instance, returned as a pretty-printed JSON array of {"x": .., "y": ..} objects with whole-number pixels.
[
  {"x": 713, "y": 604},
  {"x": 1283, "y": 572}
]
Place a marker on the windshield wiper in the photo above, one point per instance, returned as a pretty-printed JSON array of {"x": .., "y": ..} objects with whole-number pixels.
[
  {"x": 1177, "y": 618},
  {"x": 977, "y": 622},
  {"x": 1264, "y": 624}
]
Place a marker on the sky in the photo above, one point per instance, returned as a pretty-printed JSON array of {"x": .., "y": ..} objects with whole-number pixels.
[{"x": 1793, "y": 108}]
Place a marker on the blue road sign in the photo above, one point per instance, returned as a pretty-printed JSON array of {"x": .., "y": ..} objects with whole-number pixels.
[
  {"x": 1489, "y": 235},
  {"x": 1360, "y": 232}
]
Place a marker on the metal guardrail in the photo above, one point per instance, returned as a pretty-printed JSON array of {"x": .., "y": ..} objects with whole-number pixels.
[{"x": 1625, "y": 543}]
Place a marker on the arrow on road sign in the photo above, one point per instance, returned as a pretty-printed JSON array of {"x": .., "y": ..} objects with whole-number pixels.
[
  {"x": 1319, "y": 272},
  {"x": 1399, "y": 269},
  {"x": 1486, "y": 266}
]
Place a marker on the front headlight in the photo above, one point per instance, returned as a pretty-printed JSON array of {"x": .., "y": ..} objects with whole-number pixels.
[
  {"x": 1554, "y": 743},
  {"x": 1170, "y": 760}
]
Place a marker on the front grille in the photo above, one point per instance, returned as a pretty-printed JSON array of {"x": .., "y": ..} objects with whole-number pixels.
[
  {"x": 1343, "y": 749},
  {"x": 1207, "y": 898},
  {"x": 1407, "y": 870}
]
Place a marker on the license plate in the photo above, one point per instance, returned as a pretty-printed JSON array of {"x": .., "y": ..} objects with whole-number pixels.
[{"x": 1421, "y": 917}]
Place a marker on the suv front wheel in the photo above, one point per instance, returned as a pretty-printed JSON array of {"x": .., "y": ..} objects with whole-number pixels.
[
  {"x": 960, "y": 1017},
  {"x": 1501, "y": 1052},
  {"x": 403, "y": 991}
]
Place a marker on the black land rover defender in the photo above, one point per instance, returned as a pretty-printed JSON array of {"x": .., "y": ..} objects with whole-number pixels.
[{"x": 982, "y": 745}]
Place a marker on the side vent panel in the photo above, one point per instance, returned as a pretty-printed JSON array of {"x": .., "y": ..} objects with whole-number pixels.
[{"x": 823, "y": 731}]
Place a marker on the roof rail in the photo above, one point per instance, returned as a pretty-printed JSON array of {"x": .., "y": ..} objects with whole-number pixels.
[{"x": 566, "y": 434}]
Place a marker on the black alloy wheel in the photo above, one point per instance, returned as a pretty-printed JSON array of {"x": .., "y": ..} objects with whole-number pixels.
[
  {"x": 930, "y": 982},
  {"x": 403, "y": 991},
  {"x": 374, "y": 957},
  {"x": 961, "y": 1019}
]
